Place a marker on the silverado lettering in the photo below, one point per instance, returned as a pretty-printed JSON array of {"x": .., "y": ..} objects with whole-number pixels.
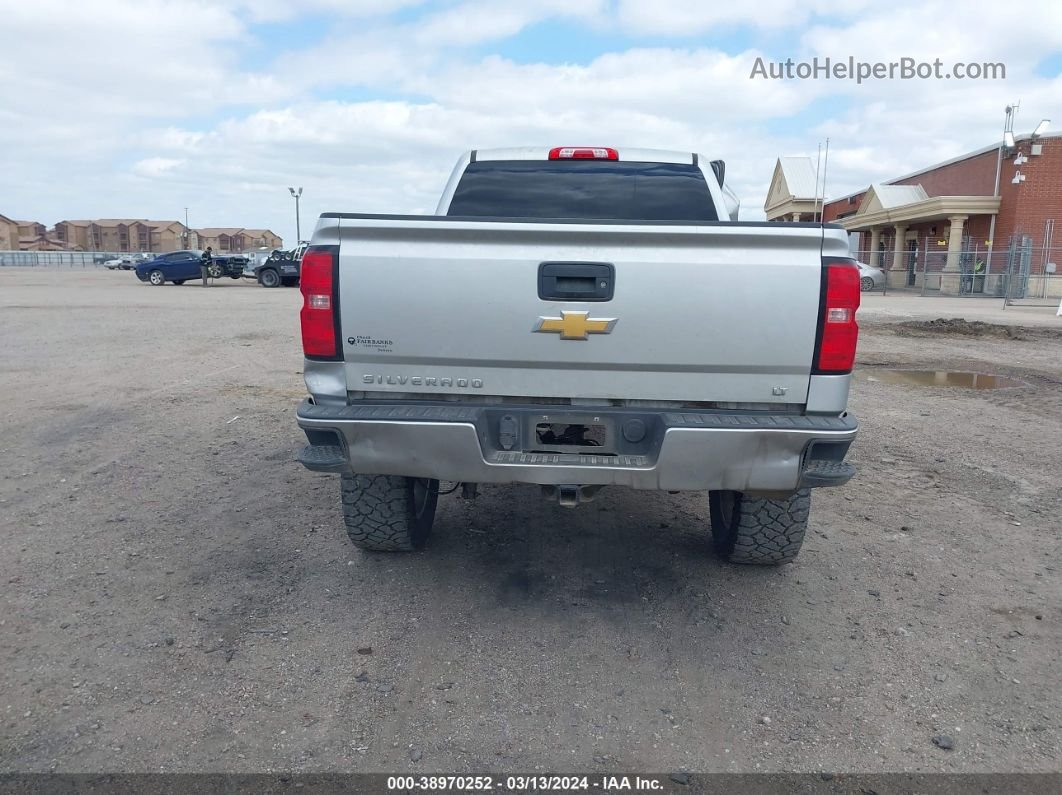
[{"x": 416, "y": 380}]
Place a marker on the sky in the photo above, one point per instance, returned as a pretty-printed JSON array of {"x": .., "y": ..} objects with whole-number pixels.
[{"x": 141, "y": 108}]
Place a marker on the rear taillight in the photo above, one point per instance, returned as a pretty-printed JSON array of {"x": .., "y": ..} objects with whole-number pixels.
[
  {"x": 583, "y": 153},
  {"x": 838, "y": 331},
  {"x": 320, "y": 321}
]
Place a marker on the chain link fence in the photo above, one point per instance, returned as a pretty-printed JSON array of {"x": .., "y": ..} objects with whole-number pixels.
[
  {"x": 58, "y": 259},
  {"x": 1017, "y": 273}
]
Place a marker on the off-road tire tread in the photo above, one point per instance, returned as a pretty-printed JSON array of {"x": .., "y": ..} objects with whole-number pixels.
[
  {"x": 769, "y": 532},
  {"x": 377, "y": 512}
]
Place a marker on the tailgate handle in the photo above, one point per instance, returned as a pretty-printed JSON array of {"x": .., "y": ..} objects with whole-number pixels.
[{"x": 576, "y": 281}]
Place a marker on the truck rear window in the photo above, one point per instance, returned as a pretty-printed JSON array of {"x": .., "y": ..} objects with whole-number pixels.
[{"x": 590, "y": 189}]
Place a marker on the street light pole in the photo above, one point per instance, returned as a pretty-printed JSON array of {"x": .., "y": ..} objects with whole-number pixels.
[
  {"x": 187, "y": 239},
  {"x": 298, "y": 228}
]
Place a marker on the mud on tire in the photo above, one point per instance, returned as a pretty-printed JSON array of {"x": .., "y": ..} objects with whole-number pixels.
[
  {"x": 757, "y": 530},
  {"x": 388, "y": 513}
]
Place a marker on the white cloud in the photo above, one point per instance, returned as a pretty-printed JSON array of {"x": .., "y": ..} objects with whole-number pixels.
[
  {"x": 156, "y": 166},
  {"x": 478, "y": 21},
  {"x": 165, "y": 113},
  {"x": 285, "y": 10},
  {"x": 693, "y": 17}
]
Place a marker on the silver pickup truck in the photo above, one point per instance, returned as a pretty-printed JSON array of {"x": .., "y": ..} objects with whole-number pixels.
[{"x": 579, "y": 318}]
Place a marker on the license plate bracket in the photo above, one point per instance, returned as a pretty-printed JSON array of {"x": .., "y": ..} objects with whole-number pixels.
[{"x": 570, "y": 433}]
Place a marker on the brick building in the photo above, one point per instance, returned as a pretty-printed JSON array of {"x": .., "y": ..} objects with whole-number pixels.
[{"x": 931, "y": 228}]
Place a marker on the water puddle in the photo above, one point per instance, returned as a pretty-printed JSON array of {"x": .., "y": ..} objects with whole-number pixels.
[{"x": 945, "y": 378}]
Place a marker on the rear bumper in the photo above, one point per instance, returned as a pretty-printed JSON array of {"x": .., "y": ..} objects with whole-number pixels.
[{"x": 679, "y": 451}]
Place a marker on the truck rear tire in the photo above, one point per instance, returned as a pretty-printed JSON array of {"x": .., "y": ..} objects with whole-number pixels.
[
  {"x": 269, "y": 277},
  {"x": 757, "y": 530},
  {"x": 389, "y": 513}
]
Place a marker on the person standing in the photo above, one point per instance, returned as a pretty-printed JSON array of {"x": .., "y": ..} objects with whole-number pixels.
[
  {"x": 965, "y": 275},
  {"x": 204, "y": 264}
]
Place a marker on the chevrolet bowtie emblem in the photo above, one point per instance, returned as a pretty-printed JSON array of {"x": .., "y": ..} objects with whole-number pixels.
[{"x": 575, "y": 325}]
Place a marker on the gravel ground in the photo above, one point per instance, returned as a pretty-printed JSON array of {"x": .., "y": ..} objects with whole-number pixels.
[{"x": 178, "y": 594}]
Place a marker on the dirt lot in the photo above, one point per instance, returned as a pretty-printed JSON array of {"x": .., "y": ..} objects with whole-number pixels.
[{"x": 178, "y": 594}]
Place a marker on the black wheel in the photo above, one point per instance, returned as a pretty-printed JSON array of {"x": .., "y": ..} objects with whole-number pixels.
[
  {"x": 178, "y": 281},
  {"x": 268, "y": 277},
  {"x": 214, "y": 270},
  {"x": 866, "y": 283},
  {"x": 389, "y": 513},
  {"x": 757, "y": 530},
  {"x": 157, "y": 278}
]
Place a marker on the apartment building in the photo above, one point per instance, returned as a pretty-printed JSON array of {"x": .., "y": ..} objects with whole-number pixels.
[
  {"x": 31, "y": 229},
  {"x": 9, "y": 234},
  {"x": 232, "y": 238},
  {"x": 129, "y": 234},
  {"x": 74, "y": 235},
  {"x": 25, "y": 236}
]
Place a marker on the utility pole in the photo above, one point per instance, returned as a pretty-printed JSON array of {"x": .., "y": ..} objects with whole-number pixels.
[
  {"x": 298, "y": 228},
  {"x": 1008, "y": 141},
  {"x": 186, "y": 237}
]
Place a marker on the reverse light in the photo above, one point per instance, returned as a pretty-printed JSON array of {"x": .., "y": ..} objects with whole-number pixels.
[
  {"x": 836, "y": 315},
  {"x": 583, "y": 153},
  {"x": 838, "y": 330},
  {"x": 320, "y": 324}
]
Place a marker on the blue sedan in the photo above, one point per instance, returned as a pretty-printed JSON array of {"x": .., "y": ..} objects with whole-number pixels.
[
  {"x": 176, "y": 267},
  {"x": 180, "y": 266}
]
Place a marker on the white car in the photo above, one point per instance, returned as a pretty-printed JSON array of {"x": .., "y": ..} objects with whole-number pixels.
[
  {"x": 127, "y": 262},
  {"x": 870, "y": 278}
]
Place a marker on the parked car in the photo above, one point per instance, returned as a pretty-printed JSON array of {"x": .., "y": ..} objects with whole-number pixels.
[
  {"x": 123, "y": 262},
  {"x": 180, "y": 266},
  {"x": 870, "y": 278}
]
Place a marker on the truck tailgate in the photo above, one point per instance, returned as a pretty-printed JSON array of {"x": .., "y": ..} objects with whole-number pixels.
[{"x": 710, "y": 313}]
